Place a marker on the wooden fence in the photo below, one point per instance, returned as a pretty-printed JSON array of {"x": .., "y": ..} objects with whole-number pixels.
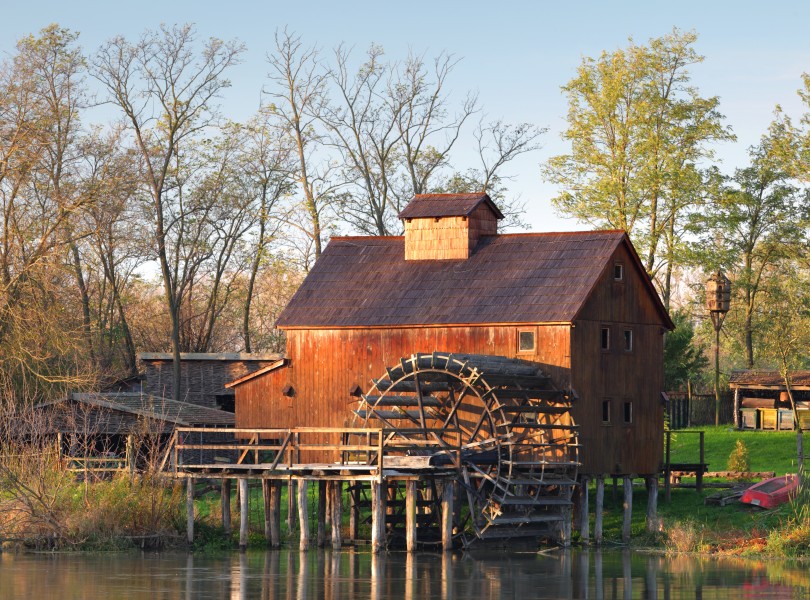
[{"x": 698, "y": 410}]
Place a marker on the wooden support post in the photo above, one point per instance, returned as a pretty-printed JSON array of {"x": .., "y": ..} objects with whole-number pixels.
[
  {"x": 130, "y": 453},
  {"x": 244, "y": 513},
  {"x": 291, "y": 505},
  {"x": 337, "y": 514},
  {"x": 303, "y": 516},
  {"x": 377, "y": 517},
  {"x": 275, "y": 514},
  {"x": 737, "y": 408},
  {"x": 699, "y": 475},
  {"x": 652, "y": 503},
  {"x": 600, "y": 503},
  {"x": 268, "y": 510},
  {"x": 447, "y": 515},
  {"x": 410, "y": 515},
  {"x": 323, "y": 491},
  {"x": 628, "y": 509},
  {"x": 190, "y": 510},
  {"x": 584, "y": 517},
  {"x": 667, "y": 469},
  {"x": 354, "y": 509},
  {"x": 225, "y": 504}
]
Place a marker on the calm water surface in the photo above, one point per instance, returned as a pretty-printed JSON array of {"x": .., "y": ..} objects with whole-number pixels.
[{"x": 350, "y": 574}]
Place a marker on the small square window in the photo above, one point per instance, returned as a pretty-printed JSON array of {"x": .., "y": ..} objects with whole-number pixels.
[
  {"x": 526, "y": 341},
  {"x": 618, "y": 272},
  {"x": 605, "y": 412},
  {"x": 605, "y": 338},
  {"x": 628, "y": 412},
  {"x": 628, "y": 340}
]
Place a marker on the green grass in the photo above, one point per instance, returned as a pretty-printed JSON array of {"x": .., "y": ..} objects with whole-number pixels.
[{"x": 767, "y": 450}]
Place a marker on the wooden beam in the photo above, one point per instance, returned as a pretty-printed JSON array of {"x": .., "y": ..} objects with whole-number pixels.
[
  {"x": 303, "y": 516},
  {"x": 244, "y": 513},
  {"x": 322, "y": 492},
  {"x": 337, "y": 513},
  {"x": 448, "y": 510},
  {"x": 377, "y": 517},
  {"x": 584, "y": 517},
  {"x": 652, "y": 503},
  {"x": 410, "y": 515},
  {"x": 190, "y": 510},
  {"x": 627, "y": 507},
  {"x": 225, "y": 504},
  {"x": 600, "y": 503}
]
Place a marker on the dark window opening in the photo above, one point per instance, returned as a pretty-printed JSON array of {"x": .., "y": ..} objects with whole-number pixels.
[
  {"x": 628, "y": 413},
  {"x": 605, "y": 338},
  {"x": 618, "y": 272},
  {"x": 605, "y": 411},
  {"x": 526, "y": 341},
  {"x": 628, "y": 340}
]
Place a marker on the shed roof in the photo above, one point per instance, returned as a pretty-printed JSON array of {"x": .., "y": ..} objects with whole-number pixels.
[
  {"x": 157, "y": 408},
  {"x": 515, "y": 278},
  {"x": 447, "y": 205},
  {"x": 214, "y": 356},
  {"x": 768, "y": 380}
]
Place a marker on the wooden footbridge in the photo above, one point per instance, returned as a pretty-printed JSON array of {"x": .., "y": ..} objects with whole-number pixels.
[{"x": 445, "y": 449}]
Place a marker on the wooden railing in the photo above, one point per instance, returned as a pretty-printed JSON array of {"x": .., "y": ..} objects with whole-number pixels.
[{"x": 272, "y": 448}]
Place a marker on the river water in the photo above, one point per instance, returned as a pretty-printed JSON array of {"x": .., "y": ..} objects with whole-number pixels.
[{"x": 353, "y": 574}]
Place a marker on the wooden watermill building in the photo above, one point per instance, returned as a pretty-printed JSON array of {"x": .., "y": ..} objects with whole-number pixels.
[{"x": 579, "y": 305}]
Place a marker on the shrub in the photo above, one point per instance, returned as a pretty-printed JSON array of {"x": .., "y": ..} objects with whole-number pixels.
[{"x": 738, "y": 460}]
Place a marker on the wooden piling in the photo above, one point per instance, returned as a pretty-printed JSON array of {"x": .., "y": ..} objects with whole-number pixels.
[
  {"x": 268, "y": 509},
  {"x": 600, "y": 504},
  {"x": 323, "y": 491},
  {"x": 377, "y": 517},
  {"x": 291, "y": 505},
  {"x": 652, "y": 503},
  {"x": 303, "y": 516},
  {"x": 627, "y": 507},
  {"x": 354, "y": 509},
  {"x": 584, "y": 517},
  {"x": 336, "y": 506},
  {"x": 225, "y": 504},
  {"x": 410, "y": 515},
  {"x": 275, "y": 514},
  {"x": 244, "y": 513},
  {"x": 190, "y": 510},
  {"x": 447, "y": 515}
]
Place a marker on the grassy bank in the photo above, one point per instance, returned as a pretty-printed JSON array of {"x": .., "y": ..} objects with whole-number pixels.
[{"x": 689, "y": 525}]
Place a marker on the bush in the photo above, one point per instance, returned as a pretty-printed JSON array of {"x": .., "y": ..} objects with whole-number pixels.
[{"x": 738, "y": 460}]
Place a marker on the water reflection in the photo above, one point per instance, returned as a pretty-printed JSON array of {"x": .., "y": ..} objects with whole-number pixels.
[{"x": 350, "y": 574}]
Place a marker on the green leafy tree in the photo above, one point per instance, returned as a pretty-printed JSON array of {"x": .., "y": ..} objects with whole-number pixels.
[
  {"x": 639, "y": 133},
  {"x": 684, "y": 356}
]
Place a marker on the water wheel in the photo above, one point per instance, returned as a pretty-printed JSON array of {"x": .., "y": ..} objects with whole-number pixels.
[{"x": 497, "y": 423}]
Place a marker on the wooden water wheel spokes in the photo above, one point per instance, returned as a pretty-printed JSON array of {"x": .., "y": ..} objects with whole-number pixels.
[{"x": 498, "y": 421}]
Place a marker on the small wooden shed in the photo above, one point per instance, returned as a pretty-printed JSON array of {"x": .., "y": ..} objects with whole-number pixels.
[
  {"x": 579, "y": 305},
  {"x": 761, "y": 399}
]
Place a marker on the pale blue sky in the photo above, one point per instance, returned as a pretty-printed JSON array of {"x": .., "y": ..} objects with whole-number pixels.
[{"x": 516, "y": 54}]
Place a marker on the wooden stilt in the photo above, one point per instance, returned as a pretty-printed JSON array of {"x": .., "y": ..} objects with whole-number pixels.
[
  {"x": 225, "y": 504},
  {"x": 410, "y": 515},
  {"x": 354, "y": 510},
  {"x": 627, "y": 507},
  {"x": 266, "y": 502},
  {"x": 447, "y": 515},
  {"x": 652, "y": 503},
  {"x": 291, "y": 505},
  {"x": 244, "y": 513},
  {"x": 377, "y": 517},
  {"x": 323, "y": 491},
  {"x": 336, "y": 504},
  {"x": 303, "y": 516},
  {"x": 584, "y": 517},
  {"x": 190, "y": 510},
  {"x": 275, "y": 514},
  {"x": 600, "y": 503}
]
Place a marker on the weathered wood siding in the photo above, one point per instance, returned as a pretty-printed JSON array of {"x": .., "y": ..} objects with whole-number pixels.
[{"x": 620, "y": 376}]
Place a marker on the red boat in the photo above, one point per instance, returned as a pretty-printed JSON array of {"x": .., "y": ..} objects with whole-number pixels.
[{"x": 772, "y": 492}]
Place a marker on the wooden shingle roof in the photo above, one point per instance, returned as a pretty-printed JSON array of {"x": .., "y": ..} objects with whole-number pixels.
[
  {"x": 768, "y": 380},
  {"x": 156, "y": 408},
  {"x": 446, "y": 205},
  {"x": 517, "y": 278}
]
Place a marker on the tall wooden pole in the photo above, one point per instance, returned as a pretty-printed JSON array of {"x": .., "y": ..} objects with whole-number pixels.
[
  {"x": 303, "y": 517},
  {"x": 600, "y": 503},
  {"x": 190, "y": 510},
  {"x": 244, "y": 513},
  {"x": 628, "y": 509},
  {"x": 336, "y": 506},
  {"x": 225, "y": 504},
  {"x": 410, "y": 515}
]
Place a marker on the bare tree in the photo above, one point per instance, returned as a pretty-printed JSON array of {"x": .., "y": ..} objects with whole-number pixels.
[{"x": 165, "y": 87}]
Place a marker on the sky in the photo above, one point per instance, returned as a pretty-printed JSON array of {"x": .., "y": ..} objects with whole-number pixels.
[{"x": 516, "y": 55}]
